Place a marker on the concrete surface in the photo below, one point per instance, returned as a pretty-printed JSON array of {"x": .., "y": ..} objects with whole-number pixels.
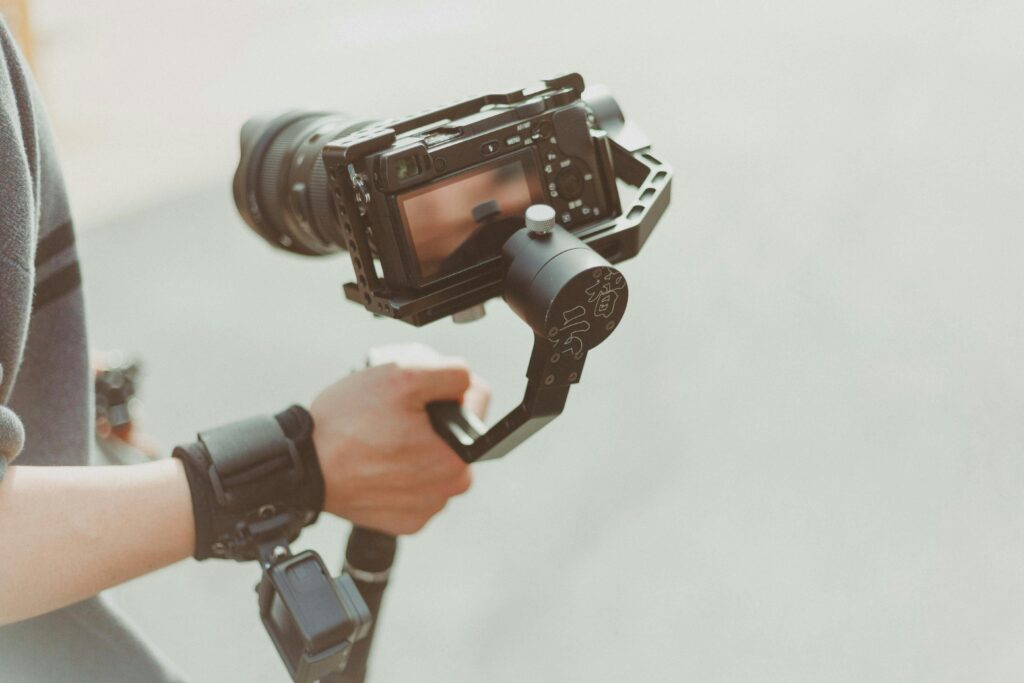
[{"x": 800, "y": 457}]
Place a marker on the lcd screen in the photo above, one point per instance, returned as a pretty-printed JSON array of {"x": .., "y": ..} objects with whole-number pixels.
[{"x": 463, "y": 220}]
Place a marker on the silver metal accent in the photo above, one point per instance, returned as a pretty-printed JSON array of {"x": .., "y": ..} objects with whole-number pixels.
[
  {"x": 540, "y": 219},
  {"x": 279, "y": 552},
  {"x": 362, "y": 193},
  {"x": 365, "y": 576},
  {"x": 470, "y": 314}
]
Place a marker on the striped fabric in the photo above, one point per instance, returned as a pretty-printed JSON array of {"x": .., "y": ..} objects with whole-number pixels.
[{"x": 57, "y": 271}]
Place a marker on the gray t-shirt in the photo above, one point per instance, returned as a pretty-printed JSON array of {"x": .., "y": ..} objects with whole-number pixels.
[{"x": 45, "y": 385}]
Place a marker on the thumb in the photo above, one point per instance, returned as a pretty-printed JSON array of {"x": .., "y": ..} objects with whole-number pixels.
[{"x": 441, "y": 382}]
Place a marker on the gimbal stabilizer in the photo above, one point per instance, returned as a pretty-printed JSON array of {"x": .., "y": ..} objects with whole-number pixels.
[{"x": 560, "y": 283}]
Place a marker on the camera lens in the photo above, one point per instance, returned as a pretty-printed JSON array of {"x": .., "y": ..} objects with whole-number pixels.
[{"x": 281, "y": 187}]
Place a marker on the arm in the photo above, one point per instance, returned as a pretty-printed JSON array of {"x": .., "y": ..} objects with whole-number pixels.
[{"x": 69, "y": 532}]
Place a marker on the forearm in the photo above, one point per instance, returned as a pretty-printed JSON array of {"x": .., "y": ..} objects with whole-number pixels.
[{"x": 68, "y": 533}]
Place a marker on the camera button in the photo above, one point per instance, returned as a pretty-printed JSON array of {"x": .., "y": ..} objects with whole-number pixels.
[
  {"x": 570, "y": 183},
  {"x": 489, "y": 147}
]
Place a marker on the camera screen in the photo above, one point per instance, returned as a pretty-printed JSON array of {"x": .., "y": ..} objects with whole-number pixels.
[{"x": 463, "y": 220}]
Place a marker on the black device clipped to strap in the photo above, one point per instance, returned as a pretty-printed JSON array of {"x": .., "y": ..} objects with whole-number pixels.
[{"x": 255, "y": 484}]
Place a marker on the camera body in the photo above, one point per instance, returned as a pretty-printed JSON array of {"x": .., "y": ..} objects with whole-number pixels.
[
  {"x": 435, "y": 196},
  {"x": 432, "y": 198}
]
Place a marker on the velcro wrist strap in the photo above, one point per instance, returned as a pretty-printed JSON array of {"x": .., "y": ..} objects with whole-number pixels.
[
  {"x": 251, "y": 461},
  {"x": 254, "y": 483}
]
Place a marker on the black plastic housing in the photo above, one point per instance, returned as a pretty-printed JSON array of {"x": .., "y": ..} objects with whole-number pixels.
[{"x": 312, "y": 618}]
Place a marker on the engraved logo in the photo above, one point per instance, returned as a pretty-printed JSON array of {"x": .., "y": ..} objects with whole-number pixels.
[
  {"x": 604, "y": 293},
  {"x": 567, "y": 337}
]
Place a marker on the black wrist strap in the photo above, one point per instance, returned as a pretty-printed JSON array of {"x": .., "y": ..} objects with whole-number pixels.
[{"x": 255, "y": 483}]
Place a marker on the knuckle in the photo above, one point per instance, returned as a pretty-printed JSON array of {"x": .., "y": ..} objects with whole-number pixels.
[
  {"x": 402, "y": 380},
  {"x": 460, "y": 376},
  {"x": 461, "y": 483}
]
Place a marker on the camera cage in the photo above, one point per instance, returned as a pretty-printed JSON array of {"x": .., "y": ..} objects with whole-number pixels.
[{"x": 623, "y": 154}]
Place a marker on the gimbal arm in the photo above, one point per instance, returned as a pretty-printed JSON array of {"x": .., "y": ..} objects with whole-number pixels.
[{"x": 543, "y": 401}]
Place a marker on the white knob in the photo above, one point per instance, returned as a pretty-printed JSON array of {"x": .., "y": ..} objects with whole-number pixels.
[{"x": 540, "y": 218}]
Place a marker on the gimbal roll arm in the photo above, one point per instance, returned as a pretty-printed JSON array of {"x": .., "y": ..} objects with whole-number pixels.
[{"x": 572, "y": 298}]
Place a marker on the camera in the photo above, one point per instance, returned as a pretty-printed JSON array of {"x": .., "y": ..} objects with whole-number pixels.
[{"x": 425, "y": 203}]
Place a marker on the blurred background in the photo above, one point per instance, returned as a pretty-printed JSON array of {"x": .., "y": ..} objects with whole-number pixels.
[{"x": 800, "y": 457}]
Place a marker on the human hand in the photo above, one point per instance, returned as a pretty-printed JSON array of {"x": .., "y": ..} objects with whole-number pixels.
[
  {"x": 116, "y": 383},
  {"x": 384, "y": 466}
]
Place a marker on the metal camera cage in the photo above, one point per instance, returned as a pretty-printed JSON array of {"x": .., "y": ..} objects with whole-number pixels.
[{"x": 621, "y": 148}]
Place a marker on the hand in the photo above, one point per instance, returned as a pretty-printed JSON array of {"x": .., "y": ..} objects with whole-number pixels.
[
  {"x": 384, "y": 466},
  {"x": 116, "y": 379}
]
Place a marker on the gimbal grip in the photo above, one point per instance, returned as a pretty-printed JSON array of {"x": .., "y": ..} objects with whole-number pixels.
[{"x": 368, "y": 559}]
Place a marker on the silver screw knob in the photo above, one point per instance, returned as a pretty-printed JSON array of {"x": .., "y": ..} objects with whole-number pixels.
[{"x": 540, "y": 219}]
